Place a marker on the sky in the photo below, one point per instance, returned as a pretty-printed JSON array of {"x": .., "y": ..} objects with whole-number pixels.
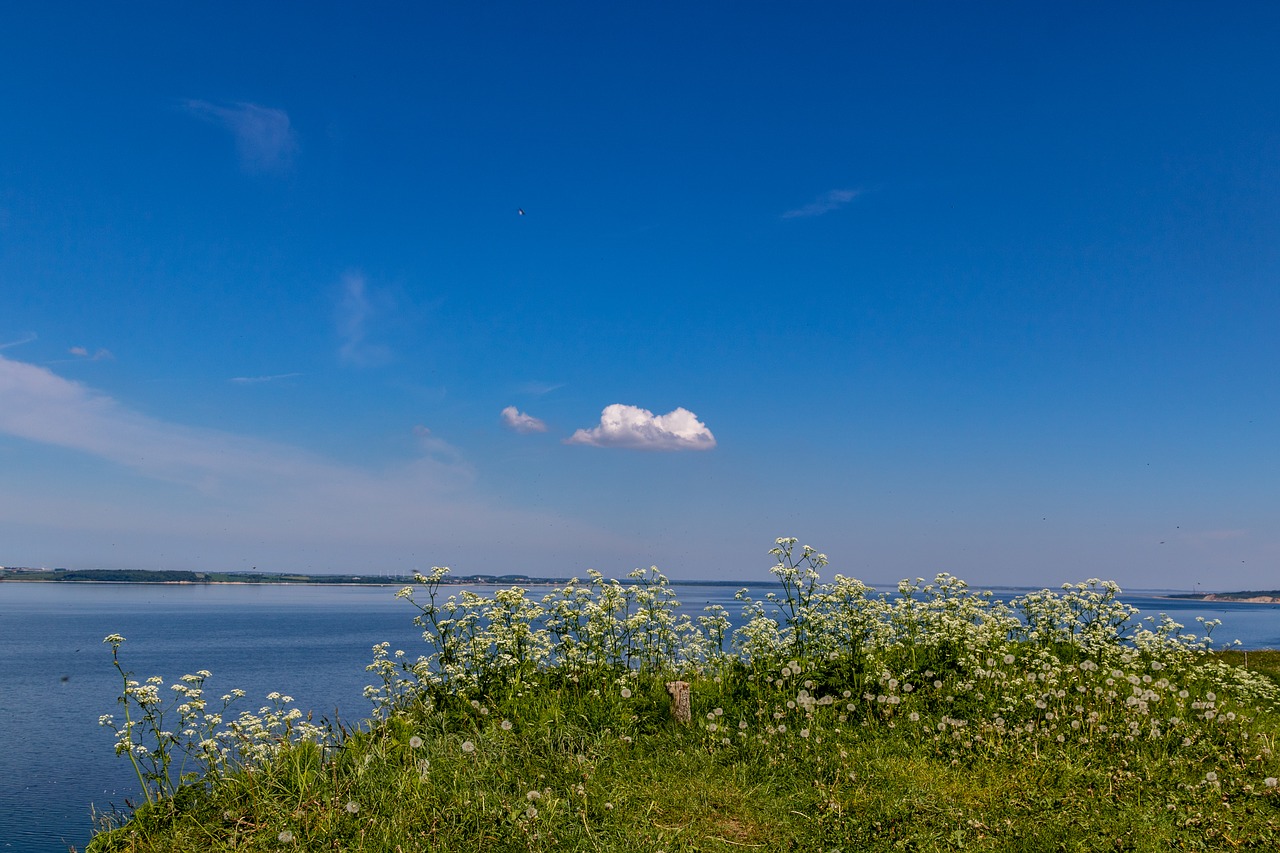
[{"x": 988, "y": 289}]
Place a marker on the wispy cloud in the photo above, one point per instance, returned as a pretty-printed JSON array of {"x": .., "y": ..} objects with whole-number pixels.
[
  {"x": 521, "y": 422},
  {"x": 436, "y": 447},
  {"x": 356, "y": 309},
  {"x": 825, "y": 203},
  {"x": 99, "y": 354},
  {"x": 639, "y": 429},
  {"x": 25, "y": 339},
  {"x": 254, "y": 380},
  {"x": 1206, "y": 537},
  {"x": 264, "y": 135},
  {"x": 40, "y": 406},
  {"x": 539, "y": 389},
  {"x": 215, "y": 497}
]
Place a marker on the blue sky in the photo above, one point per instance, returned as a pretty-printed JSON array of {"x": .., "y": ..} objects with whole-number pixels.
[{"x": 987, "y": 289}]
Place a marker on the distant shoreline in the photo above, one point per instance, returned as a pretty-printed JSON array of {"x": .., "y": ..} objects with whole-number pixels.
[
  {"x": 189, "y": 578},
  {"x": 186, "y": 578},
  {"x": 1247, "y": 597}
]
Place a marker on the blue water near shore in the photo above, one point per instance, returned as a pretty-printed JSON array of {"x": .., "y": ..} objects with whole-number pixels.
[{"x": 310, "y": 642}]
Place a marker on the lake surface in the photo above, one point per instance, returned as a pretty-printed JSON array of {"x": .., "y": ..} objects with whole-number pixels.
[{"x": 309, "y": 642}]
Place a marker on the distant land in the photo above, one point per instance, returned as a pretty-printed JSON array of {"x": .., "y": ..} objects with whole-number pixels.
[
  {"x": 33, "y": 575},
  {"x": 1250, "y": 596},
  {"x": 43, "y": 575}
]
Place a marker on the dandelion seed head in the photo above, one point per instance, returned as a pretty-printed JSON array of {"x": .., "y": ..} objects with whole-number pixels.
[
  {"x": 285, "y": 837},
  {"x": 353, "y": 807},
  {"x": 468, "y": 746}
]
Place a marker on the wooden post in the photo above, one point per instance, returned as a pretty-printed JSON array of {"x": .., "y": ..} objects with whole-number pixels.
[{"x": 680, "y": 709}]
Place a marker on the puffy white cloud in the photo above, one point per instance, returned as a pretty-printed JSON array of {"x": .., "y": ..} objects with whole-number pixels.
[
  {"x": 264, "y": 135},
  {"x": 521, "y": 422},
  {"x": 639, "y": 429},
  {"x": 825, "y": 203}
]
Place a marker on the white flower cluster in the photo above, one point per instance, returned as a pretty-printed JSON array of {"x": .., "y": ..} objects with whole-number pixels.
[{"x": 154, "y": 732}]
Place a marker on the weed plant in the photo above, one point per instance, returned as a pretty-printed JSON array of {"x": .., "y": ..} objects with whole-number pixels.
[{"x": 832, "y": 718}]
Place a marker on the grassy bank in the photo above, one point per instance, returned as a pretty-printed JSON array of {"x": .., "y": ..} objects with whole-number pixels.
[{"x": 831, "y": 719}]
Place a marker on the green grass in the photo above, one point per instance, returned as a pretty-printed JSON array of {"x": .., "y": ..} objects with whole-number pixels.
[
  {"x": 604, "y": 781},
  {"x": 1264, "y": 661},
  {"x": 937, "y": 721}
]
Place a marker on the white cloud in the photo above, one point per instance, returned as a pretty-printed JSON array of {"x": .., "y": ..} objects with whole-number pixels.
[
  {"x": 98, "y": 355},
  {"x": 214, "y": 496},
  {"x": 824, "y": 203},
  {"x": 521, "y": 422},
  {"x": 437, "y": 447},
  {"x": 254, "y": 380},
  {"x": 264, "y": 135},
  {"x": 538, "y": 389},
  {"x": 38, "y": 405},
  {"x": 25, "y": 339},
  {"x": 355, "y": 310},
  {"x": 638, "y": 429}
]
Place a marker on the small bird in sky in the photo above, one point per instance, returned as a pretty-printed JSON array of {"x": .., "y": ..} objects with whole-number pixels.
[{"x": 520, "y": 210}]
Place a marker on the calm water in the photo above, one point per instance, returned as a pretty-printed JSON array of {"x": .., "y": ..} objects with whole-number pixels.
[{"x": 309, "y": 642}]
